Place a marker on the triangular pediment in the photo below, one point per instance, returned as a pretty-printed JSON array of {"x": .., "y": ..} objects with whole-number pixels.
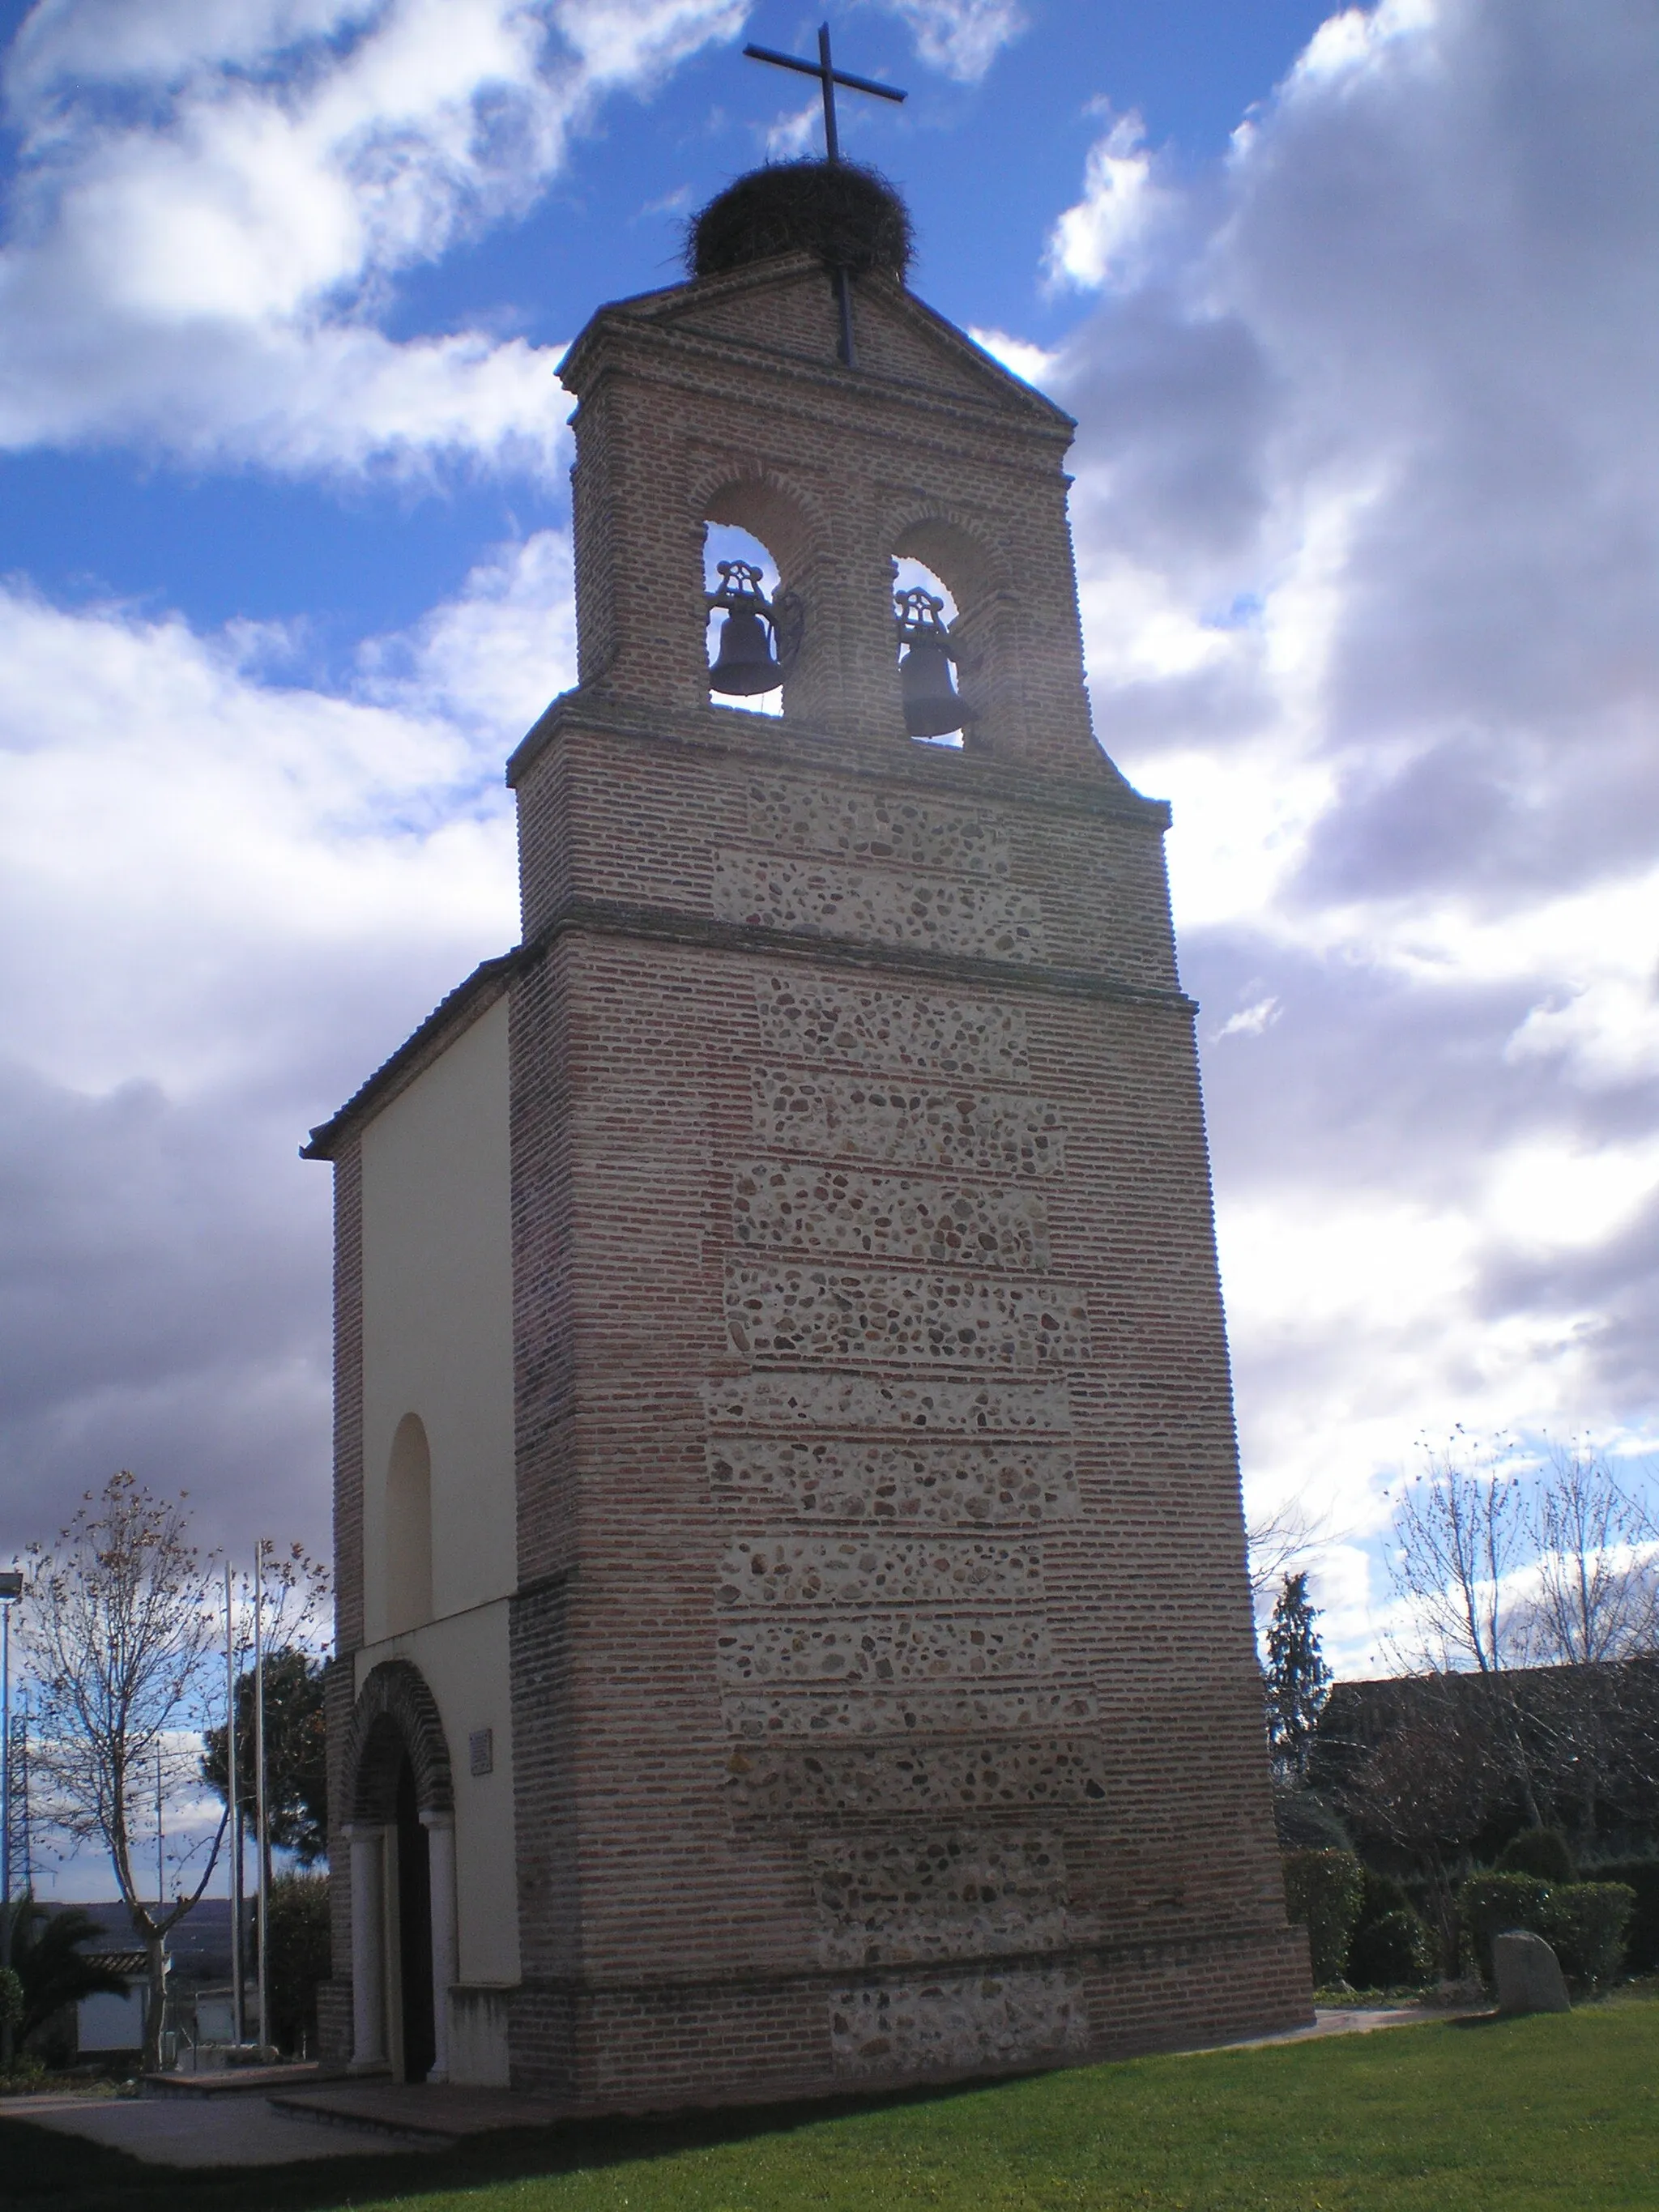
[{"x": 787, "y": 306}]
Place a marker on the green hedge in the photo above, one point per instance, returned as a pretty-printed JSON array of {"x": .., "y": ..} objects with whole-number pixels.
[
  {"x": 1489, "y": 1904},
  {"x": 1394, "y": 1952},
  {"x": 1541, "y": 1852},
  {"x": 1324, "y": 1890},
  {"x": 1585, "y": 1921},
  {"x": 1642, "y": 1936}
]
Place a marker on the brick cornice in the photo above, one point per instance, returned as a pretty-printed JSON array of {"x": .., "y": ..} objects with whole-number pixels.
[
  {"x": 943, "y": 773},
  {"x": 418, "y": 1050},
  {"x": 658, "y": 325},
  {"x": 660, "y": 925}
]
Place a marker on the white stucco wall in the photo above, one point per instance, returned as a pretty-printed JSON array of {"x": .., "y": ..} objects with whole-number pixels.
[
  {"x": 438, "y": 1316},
  {"x": 463, "y": 1660}
]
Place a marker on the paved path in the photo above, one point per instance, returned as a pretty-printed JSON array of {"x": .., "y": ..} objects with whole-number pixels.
[
  {"x": 1346, "y": 2020},
  {"x": 206, "y": 2131},
  {"x": 452, "y": 2109}
]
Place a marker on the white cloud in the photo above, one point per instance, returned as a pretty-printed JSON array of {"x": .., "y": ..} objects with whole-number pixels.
[
  {"x": 795, "y": 134},
  {"x": 1033, "y": 362},
  {"x": 961, "y": 38},
  {"x": 212, "y": 201},
  {"x": 1366, "y": 472},
  {"x": 222, "y": 901},
  {"x": 1103, "y": 239}
]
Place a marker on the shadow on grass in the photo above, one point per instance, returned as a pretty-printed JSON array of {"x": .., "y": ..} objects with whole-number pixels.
[{"x": 68, "y": 2173}]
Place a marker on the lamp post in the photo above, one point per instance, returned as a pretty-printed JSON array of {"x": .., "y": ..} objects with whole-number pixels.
[{"x": 11, "y": 1589}]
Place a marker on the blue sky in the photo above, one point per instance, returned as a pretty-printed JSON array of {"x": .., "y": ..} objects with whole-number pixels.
[
  {"x": 984, "y": 159},
  {"x": 1357, "y": 312}
]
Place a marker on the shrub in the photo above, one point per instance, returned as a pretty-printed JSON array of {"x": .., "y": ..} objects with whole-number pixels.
[
  {"x": 1541, "y": 1853},
  {"x": 1489, "y": 1904},
  {"x": 1585, "y": 1921},
  {"x": 1322, "y": 1893},
  {"x": 1394, "y": 1952},
  {"x": 299, "y": 1956},
  {"x": 1305, "y": 1822},
  {"x": 1641, "y": 1877},
  {"x": 1384, "y": 1894}
]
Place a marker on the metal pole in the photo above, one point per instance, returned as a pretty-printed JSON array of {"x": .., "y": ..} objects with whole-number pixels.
[
  {"x": 11, "y": 1589},
  {"x": 233, "y": 1814},
  {"x": 161, "y": 1863},
  {"x": 262, "y": 1845},
  {"x": 5, "y": 1775}
]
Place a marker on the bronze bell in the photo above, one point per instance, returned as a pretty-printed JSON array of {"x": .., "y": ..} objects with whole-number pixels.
[
  {"x": 932, "y": 708},
  {"x": 745, "y": 665}
]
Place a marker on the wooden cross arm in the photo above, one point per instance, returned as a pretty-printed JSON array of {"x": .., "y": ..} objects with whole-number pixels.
[{"x": 816, "y": 69}]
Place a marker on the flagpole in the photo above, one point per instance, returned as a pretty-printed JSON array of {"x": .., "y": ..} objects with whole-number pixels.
[
  {"x": 262, "y": 1847},
  {"x": 233, "y": 1812}
]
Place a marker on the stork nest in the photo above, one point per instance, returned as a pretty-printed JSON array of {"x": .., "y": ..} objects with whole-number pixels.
[{"x": 849, "y": 217}]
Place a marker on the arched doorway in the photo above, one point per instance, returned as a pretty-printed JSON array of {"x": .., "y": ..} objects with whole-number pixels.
[{"x": 400, "y": 1796}]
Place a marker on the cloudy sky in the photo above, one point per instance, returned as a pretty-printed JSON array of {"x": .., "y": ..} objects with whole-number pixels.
[{"x": 1358, "y": 315}]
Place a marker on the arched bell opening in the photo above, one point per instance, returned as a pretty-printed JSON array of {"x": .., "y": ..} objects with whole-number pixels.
[
  {"x": 925, "y": 614},
  {"x": 953, "y": 564},
  {"x": 753, "y": 517},
  {"x": 740, "y": 578}
]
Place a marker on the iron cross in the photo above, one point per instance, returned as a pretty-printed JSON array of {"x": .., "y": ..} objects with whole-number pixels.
[{"x": 829, "y": 77}]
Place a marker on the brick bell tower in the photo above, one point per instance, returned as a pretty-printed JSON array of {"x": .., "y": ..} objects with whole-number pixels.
[{"x": 883, "y": 1694}]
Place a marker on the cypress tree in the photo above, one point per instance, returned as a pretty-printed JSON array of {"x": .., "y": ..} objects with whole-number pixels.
[{"x": 1297, "y": 1681}]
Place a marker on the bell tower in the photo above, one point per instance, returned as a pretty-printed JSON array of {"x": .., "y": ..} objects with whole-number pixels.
[
  {"x": 796, "y": 1262},
  {"x": 885, "y": 1696}
]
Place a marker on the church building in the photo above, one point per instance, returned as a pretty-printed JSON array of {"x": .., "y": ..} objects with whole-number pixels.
[{"x": 793, "y": 1633}]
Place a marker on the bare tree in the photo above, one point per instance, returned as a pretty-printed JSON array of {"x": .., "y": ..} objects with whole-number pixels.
[
  {"x": 1424, "y": 1786},
  {"x": 1279, "y": 1541},
  {"x": 1597, "y": 1597},
  {"x": 1543, "y": 1583},
  {"x": 119, "y": 1627},
  {"x": 1462, "y": 1531}
]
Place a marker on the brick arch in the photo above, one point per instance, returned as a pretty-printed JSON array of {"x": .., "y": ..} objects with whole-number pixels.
[
  {"x": 958, "y": 549},
  {"x": 758, "y": 498},
  {"x": 396, "y": 1712}
]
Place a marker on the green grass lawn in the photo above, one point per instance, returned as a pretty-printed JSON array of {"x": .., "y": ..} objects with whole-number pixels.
[{"x": 1512, "y": 2116}]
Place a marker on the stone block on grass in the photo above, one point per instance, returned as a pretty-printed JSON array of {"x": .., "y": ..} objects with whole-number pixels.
[{"x": 1528, "y": 1973}]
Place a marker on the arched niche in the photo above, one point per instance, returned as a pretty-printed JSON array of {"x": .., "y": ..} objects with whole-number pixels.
[
  {"x": 981, "y": 607},
  {"x": 409, "y": 1528}
]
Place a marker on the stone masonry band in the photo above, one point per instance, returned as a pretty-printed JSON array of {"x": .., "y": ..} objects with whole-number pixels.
[
  {"x": 866, "y": 824},
  {"x": 804, "y": 1018},
  {"x": 898, "y": 1641},
  {"x": 951, "y": 1484},
  {"x": 907, "y": 1124}
]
